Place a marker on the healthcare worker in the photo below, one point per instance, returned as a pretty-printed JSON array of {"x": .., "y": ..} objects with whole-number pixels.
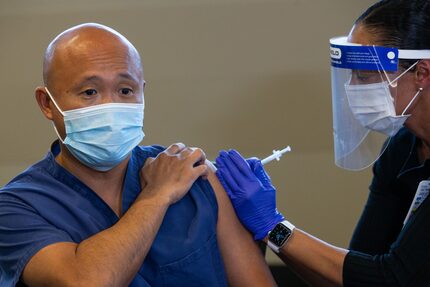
[{"x": 381, "y": 97}]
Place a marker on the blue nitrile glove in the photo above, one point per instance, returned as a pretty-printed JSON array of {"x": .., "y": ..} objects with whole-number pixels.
[{"x": 251, "y": 192}]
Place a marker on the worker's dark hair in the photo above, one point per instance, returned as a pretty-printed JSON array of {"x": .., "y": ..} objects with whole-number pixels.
[{"x": 403, "y": 24}]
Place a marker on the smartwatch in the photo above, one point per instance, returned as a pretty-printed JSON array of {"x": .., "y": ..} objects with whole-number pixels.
[{"x": 280, "y": 235}]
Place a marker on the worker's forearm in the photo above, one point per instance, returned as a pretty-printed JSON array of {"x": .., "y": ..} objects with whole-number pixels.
[
  {"x": 317, "y": 262},
  {"x": 113, "y": 256}
]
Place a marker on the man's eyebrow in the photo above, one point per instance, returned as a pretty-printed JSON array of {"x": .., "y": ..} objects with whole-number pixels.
[
  {"x": 93, "y": 78},
  {"x": 128, "y": 77},
  {"x": 87, "y": 80}
]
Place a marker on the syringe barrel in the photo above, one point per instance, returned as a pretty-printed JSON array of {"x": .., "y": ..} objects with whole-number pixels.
[{"x": 268, "y": 159}]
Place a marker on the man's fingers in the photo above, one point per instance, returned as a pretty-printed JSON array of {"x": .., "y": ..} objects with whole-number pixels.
[
  {"x": 185, "y": 152},
  {"x": 198, "y": 159},
  {"x": 175, "y": 148},
  {"x": 148, "y": 160},
  {"x": 195, "y": 155},
  {"x": 202, "y": 170}
]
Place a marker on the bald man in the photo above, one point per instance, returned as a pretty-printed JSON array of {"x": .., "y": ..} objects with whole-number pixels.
[{"x": 99, "y": 210}]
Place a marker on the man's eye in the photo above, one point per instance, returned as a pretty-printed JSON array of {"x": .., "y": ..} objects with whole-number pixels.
[
  {"x": 90, "y": 92},
  {"x": 126, "y": 91}
]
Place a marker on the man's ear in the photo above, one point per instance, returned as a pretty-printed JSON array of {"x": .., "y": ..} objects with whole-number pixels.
[
  {"x": 43, "y": 100},
  {"x": 422, "y": 73}
]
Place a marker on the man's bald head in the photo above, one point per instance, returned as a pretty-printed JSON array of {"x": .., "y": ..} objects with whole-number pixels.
[{"x": 81, "y": 39}]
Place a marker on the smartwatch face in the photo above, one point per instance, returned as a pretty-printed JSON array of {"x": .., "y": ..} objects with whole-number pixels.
[{"x": 279, "y": 235}]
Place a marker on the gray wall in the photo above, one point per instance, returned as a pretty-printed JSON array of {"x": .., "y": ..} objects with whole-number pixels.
[{"x": 247, "y": 74}]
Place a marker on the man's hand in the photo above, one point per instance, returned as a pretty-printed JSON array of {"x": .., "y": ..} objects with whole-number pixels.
[{"x": 171, "y": 174}]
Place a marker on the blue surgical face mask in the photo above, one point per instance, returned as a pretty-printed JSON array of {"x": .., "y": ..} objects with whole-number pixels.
[
  {"x": 373, "y": 105},
  {"x": 102, "y": 136}
]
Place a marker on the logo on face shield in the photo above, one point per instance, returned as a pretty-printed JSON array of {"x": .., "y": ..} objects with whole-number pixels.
[
  {"x": 335, "y": 53},
  {"x": 391, "y": 55}
]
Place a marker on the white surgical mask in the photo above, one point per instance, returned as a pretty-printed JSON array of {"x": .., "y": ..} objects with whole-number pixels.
[
  {"x": 102, "y": 136},
  {"x": 373, "y": 107}
]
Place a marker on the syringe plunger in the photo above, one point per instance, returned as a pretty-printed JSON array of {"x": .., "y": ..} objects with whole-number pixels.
[{"x": 276, "y": 155}]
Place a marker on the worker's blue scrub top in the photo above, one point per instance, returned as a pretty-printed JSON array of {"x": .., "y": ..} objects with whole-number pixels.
[{"x": 46, "y": 204}]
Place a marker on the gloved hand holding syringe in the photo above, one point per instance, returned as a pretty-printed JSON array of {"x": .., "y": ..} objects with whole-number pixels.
[{"x": 249, "y": 188}]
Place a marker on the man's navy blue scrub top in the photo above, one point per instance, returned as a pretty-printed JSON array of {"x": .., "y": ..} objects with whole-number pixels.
[{"x": 46, "y": 204}]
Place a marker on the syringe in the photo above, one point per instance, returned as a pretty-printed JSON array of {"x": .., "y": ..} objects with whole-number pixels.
[{"x": 276, "y": 155}]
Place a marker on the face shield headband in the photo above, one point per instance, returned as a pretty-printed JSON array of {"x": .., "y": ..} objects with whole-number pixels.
[{"x": 364, "y": 91}]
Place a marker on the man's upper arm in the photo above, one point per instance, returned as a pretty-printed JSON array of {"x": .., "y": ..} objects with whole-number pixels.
[
  {"x": 245, "y": 264},
  {"x": 51, "y": 266},
  {"x": 23, "y": 233}
]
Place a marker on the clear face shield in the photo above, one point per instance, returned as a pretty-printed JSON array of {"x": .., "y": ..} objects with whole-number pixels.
[{"x": 364, "y": 95}]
